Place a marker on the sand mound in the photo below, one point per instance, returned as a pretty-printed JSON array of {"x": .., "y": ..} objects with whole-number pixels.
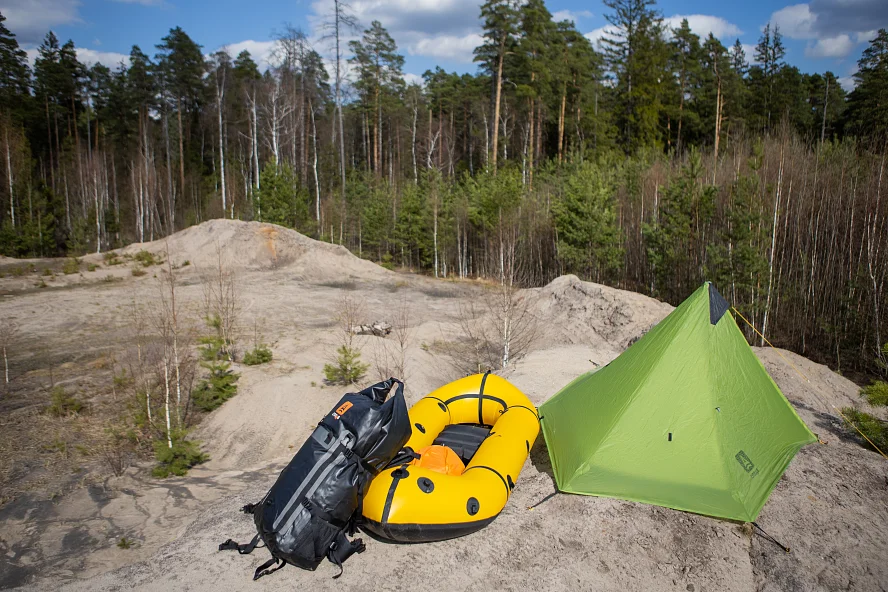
[
  {"x": 258, "y": 246},
  {"x": 587, "y": 313},
  {"x": 829, "y": 507}
]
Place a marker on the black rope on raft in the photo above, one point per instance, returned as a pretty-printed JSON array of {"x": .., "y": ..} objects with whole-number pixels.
[{"x": 770, "y": 538}]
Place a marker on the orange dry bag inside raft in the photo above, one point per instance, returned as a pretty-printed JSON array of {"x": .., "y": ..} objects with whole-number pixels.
[{"x": 481, "y": 421}]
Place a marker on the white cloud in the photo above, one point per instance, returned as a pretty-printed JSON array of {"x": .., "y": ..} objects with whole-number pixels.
[
  {"x": 831, "y": 47},
  {"x": 834, "y": 28},
  {"x": 596, "y": 35},
  {"x": 704, "y": 24},
  {"x": 700, "y": 24},
  {"x": 111, "y": 59},
  {"x": 88, "y": 57},
  {"x": 447, "y": 47},
  {"x": 848, "y": 82},
  {"x": 260, "y": 51},
  {"x": 441, "y": 29},
  {"x": 570, "y": 15},
  {"x": 413, "y": 79},
  {"x": 848, "y": 16},
  {"x": 796, "y": 21},
  {"x": 30, "y": 20},
  {"x": 865, "y": 36}
]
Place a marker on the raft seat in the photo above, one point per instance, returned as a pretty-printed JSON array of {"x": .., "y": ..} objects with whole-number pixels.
[{"x": 463, "y": 439}]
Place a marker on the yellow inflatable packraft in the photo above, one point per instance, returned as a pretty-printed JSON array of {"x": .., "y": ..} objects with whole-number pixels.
[{"x": 433, "y": 498}]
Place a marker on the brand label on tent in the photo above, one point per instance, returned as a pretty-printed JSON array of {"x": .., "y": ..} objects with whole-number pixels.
[{"x": 747, "y": 464}]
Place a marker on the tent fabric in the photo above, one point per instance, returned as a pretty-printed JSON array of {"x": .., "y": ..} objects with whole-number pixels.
[{"x": 686, "y": 418}]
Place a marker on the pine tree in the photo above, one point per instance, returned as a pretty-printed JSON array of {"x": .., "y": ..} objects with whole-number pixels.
[
  {"x": 15, "y": 75},
  {"x": 763, "y": 77},
  {"x": 181, "y": 67},
  {"x": 536, "y": 63},
  {"x": 637, "y": 55},
  {"x": 867, "y": 113},
  {"x": 675, "y": 241},
  {"x": 500, "y": 28},
  {"x": 380, "y": 70},
  {"x": 586, "y": 220},
  {"x": 685, "y": 67},
  {"x": 826, "y": 101},
  {"x": 738, "y": 58}
]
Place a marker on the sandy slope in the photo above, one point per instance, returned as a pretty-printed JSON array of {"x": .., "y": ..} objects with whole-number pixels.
[{"x": 831, "y": 507}]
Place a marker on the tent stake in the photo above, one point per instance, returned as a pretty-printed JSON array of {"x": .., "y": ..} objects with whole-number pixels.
[{"x": 770, "y": 538}]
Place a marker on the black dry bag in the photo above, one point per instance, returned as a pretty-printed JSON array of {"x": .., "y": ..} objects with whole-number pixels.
[{"x": 316, "y": 500}]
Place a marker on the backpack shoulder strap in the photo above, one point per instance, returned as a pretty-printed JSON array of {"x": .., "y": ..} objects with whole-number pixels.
[
  {"x": 244, "y": 549},
  {"x": 263, "y": 570},
  {"x": 342, "y": 549}
]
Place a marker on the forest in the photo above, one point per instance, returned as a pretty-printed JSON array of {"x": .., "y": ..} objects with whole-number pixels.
[{"x": 651, "y": 161}]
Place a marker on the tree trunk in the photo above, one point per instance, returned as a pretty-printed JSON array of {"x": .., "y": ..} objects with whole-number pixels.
[
  {"x": 435, "y": 231},
  {"x": 11, "y": 181},
  {"x": 170, "y": 196},
  {"x": 773, "y": 246},
  {"x": 531, "y": 140},
  {"x": 314, "y": 138},
  {"x": 181, "y": 158},
  {"x": 718, "y": 109},
  {"x": 337, "y": 17},
  {"x": 166, "y": 380},
  {"x": 377, "y": 132},
  {"x": 825, "y": 102},
  {"x": 496, "y": 108},
  {"x": 220, "y": 96},
  {"x": 413, "y": 146},
  {"x": 561, "y": 123}
]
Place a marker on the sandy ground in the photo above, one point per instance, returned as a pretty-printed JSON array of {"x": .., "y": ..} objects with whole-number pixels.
[{"x": 831, "y": 507}]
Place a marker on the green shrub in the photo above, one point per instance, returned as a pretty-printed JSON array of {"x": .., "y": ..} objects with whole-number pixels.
[
  {"x": 139, "y": 272},
  {"x": 125, "y": 543},
  {"x": 217, "y": 388},
  {"x": 18, "y": 271},
  {"x": 876, "y": 393},
  {"x": 874, "y": 428},
  {"x": 214, "y": 345},
  {"x": 260, "y": 355},
  {"x": 111, "y": 258},
  {"x": 176, "y": 460},
  {"x": 146, "y": 258},
  {"x": 62, "y": 404},
  {"x": 347, "y": 368},
  {"x": 71, "y": 266},
  {"x": 92, "y": 267},
  {"x": 47, "y": 272}
]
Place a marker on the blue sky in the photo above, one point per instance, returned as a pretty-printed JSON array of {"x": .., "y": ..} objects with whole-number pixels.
[{"x": 820, "y": 35}]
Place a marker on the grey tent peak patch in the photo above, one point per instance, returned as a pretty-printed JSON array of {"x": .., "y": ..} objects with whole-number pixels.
[{"x": 718, "y": 306}]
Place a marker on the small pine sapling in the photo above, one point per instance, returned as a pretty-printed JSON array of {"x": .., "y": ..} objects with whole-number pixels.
[
  {"x": 218, "y": 387},
  {"x": 347, "y": 367}
]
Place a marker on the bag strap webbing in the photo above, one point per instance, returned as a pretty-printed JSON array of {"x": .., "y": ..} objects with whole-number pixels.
[
  {"x": 244, "y": 549},
  {"x": 341, "y": 549},
  {"x": 263, "y": 570}
]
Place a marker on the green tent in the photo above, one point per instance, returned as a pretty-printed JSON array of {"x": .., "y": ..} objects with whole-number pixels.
[{"x": 686, "y": 418}]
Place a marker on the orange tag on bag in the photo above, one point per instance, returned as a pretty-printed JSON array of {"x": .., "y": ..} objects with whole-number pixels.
[
  {"x": 440, "y": 459},
  {"x": 342, "y": 409}
]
